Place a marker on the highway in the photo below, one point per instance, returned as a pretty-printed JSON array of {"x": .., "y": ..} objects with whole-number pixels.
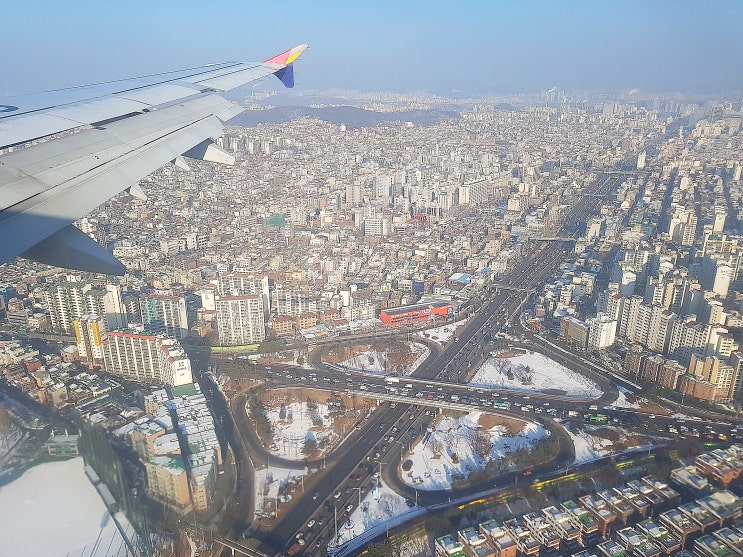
[{"x": 350, "y": 471}]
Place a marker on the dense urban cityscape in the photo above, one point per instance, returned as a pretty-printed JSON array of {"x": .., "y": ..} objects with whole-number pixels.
[{"x": 305, "y": 339}]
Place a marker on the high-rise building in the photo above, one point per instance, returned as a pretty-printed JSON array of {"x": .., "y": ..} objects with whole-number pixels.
[
  {"x": 736, "y": 360},
  {"x": 292, "y": 301},
  {"x": 354, "y": 194},
  {"x": 641, "y": 158},
  {"x": 246, "y": 284},
  {"x": 377, "y": 226},
  {"x": 71, "y": 300},
  {"x": 240, "y": 320},
  {"x": 164, "y": 314},
  {"x": 90, "y": 333},
  {"x": 147, "y": 359},
  {"x": 574, "y": 331},
  {"x": 715, "y": 371},
  {"x": 66, "y": 302},
  {"x": 683, "y": 225},
  {"x": 718, "y": 223},
  {"x": 167, "y": 482},
  {"x": 602, "y": 331}
]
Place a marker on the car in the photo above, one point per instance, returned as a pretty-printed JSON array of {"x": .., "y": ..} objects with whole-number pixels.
[
  {"x": 315, "y": 495},
  {"x": 526, "y": 473},
  {"x": 311, "y": 523},
  {"x": 349, "y": 508},
  {"x": 337, "y": 494},
  {"x": 321, "y": 521}
]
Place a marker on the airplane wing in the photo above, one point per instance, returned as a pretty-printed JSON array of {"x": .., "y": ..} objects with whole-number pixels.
[{"x": 104, "y": 139}]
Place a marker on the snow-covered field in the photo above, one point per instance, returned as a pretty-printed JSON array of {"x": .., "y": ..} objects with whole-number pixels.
[
  {"x": 589, "y": 447},
  {"x": 442, "y": 334},
  {"x": 379, "y": 506},
  {"x": 533, "y": 371},
  {"x": 595, "y": 441},
  {"x": 299, "y": 423},
  {"x": 623, "y": 402},
  {"x": 270, "y": 483},
  {"x": 58, "y": 498},
  {"x": 373, "y": 361},
  {"x": 456, "y": 447}
]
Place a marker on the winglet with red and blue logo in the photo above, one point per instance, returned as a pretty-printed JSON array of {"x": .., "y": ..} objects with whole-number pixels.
[{"x": 285, "y": 59}]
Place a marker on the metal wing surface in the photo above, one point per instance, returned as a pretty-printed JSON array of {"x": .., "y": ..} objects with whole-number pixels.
[{"x": 110, "y": 136}]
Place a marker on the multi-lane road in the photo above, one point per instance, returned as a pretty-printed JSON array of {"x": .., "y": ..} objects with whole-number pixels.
[{"x": 383, "y": 436}]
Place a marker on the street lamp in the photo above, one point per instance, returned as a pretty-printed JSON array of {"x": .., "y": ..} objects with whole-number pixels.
[{"x": 359, "y": 490}]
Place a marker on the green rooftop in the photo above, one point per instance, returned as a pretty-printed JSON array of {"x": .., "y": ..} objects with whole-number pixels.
[{"x": 189, "y": 389}]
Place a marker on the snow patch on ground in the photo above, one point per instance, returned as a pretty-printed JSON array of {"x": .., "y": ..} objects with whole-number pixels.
[
  {"x": 623, "y": 402},
  {"x": 272, "y": 483},
  {"x": 443, "y": 334},
  {"x": 456, "y": 447},
  {"x": 588, "y": 447},
  {"x": 373, "y": 361},
  {"x": 533, "y": 371},
  {"x": 379, "y": 506},
  {"x": 297, "y": 423}
]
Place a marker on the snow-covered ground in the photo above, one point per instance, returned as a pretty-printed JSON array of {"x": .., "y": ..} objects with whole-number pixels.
[
  {"x": 456, "y": 447},
  {"x": 442, "y": 334},
  {"x": 58, "y": 500},
  {"x": 272, "y": 482},
  {"x": 373, "y": 361},
  {"x": 297, "y": 424},
  {"x": 623, "y": 402},
  {"x": 594, "y": 441},
  {"x": 533, "y": 371},
  {"x": 379, "y": 506},
  {"x": 589, "y": 447}
]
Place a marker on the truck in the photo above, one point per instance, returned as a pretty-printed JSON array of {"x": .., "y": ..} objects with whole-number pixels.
[{"x": 389, "y": 379}]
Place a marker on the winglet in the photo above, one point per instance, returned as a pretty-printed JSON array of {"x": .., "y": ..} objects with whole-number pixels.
[{"x": 286, "y": 58}]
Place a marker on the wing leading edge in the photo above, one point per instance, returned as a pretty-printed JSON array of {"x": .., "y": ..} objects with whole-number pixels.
[{"x": 118, "y": 133}]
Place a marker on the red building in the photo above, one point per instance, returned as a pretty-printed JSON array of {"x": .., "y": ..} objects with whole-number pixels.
[{"x": 419, "y": 313}]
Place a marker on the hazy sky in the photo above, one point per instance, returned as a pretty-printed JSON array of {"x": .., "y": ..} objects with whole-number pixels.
[{"x": 402, "y": 45}]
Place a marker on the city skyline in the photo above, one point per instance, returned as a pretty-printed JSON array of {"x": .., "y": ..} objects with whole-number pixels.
[{"x": 471, "y": 49}]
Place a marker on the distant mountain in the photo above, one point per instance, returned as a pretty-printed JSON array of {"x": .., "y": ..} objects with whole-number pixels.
[{"x": 351, "y": 116}]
